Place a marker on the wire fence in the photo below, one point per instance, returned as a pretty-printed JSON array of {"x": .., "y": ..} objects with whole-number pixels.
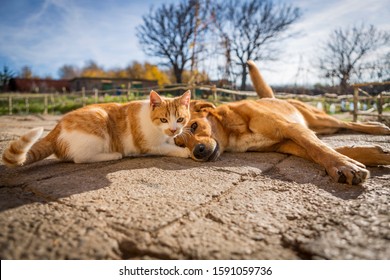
[{"x": 359, "y": 104}]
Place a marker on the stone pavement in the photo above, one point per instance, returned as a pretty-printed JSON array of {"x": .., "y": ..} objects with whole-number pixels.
[{"x": 244, "y": 206}]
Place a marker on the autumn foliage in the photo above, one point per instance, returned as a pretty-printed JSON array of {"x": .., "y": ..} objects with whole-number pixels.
[{"x": 135, "y": 70}]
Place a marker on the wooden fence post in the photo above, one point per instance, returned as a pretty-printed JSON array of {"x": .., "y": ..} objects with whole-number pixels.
[
  {"x": 128, "y": 91},
  {"x": 193, "y": 91},
  {"x": 214, "y": 91},
  {"x": 27, "y": 104},
  {"x": 45, "y": 105},
  {"x": 52, "y": 101},
  {"x": 355, "y": 103},
  {"x": 83, "y": 96},
  {"x": 380, "y": 107},
  {"x": 10, "y": 105},
  {"x": 96, "y": 95}
]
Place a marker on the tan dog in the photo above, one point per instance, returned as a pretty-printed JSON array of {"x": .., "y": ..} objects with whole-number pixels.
[{"x": 272, "y": 125}]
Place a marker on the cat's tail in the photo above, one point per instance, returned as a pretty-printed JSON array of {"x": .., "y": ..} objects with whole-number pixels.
[
  {"x": 261, "y": 87},
  {"x": 26, "y": 149}
]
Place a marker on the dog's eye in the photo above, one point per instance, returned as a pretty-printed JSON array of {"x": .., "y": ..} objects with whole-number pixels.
[
  {"x": 194, "y": 126},
  {"x": 179, "y": 120},
  {"x": 163, "y": 120}
]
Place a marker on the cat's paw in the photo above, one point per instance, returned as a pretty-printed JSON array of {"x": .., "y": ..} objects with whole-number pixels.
[
  {"x": 182, "y": 152},
  {"x": 185, "y": 153}
]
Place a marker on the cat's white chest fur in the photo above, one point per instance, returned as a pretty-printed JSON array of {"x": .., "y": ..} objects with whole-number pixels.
[
  {"x": 152, "y": 134},
  {"x": 157, "y": 141}
]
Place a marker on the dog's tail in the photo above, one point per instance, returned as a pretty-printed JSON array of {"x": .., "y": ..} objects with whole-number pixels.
[
  {"x": 26, "y": 149},
  {"x": 261, "y": 87}
]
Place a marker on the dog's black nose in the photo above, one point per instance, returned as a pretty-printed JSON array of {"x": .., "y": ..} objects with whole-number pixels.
[{"x": 200, "y": 151}]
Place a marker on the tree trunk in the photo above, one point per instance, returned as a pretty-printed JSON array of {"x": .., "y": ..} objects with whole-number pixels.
[
  {"x": 243, "y": 77},
  {"x": 178, "y": 74},
  {"x": 178, "y": 77},
  {"x": 344, "y": 84}
]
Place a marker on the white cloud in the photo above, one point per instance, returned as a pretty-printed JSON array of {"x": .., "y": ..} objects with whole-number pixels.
[{"x": 77, "y": 35}]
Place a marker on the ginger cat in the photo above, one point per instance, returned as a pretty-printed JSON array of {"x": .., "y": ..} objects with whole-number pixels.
[{"x": 104, "y": 132}]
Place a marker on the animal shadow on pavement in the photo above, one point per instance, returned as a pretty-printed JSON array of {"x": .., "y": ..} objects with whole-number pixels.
[{"x": 51, "y": 180}]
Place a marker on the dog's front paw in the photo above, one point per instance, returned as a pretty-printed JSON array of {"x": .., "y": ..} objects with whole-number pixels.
[{"x": 349, "y": 172}]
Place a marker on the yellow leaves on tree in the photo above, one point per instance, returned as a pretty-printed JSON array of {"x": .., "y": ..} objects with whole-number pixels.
[
  {"x": 134, "y": 71},
  {"x": 195, "y": 77},
  {"x": 93, "y": 70},
  {"x": 148, "y": 71}
]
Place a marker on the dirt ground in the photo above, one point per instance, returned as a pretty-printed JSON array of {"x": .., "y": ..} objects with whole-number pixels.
[{"x": 243, "y": 206}]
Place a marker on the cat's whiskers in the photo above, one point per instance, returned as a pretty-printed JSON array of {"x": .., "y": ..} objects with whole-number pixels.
[{"x": 185, "y": 134}]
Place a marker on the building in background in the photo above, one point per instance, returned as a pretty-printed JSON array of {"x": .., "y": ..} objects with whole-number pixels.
[
  {"x": 76, "y": 84},
  {"x": 38, "y": 85},
  {"x": 104, "y": 84}
]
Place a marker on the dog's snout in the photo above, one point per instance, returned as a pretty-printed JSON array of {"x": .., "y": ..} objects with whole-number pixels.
[
  {"x": 201, "y": 148},
  {"x": 200, "y": 151}
]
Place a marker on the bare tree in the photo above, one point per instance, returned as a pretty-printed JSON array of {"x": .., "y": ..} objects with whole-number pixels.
[
  {"x": 250, "y": 29},
  {"x": 170, "y": 33},
  {"x": 68, "y": 72},
  {"x": 347, "y": 50},
  {"x": 383, "y": 68},
  {"x": 377, "y": 70}
]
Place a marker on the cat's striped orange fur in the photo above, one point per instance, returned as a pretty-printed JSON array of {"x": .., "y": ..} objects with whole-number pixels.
[{"x": 105, "y": 132}]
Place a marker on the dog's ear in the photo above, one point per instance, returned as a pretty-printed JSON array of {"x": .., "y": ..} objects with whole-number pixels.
[{"x": 198, "y": 105}]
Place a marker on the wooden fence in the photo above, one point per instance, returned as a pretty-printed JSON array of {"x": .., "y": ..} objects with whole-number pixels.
[
  {"x": 328, "y": 102},
  {"x": 83, "y": 97},
  {"x": 382, "y": 101}
]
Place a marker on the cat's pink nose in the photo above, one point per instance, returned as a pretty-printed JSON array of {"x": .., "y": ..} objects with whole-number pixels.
[{"x": 173, "y": 130}]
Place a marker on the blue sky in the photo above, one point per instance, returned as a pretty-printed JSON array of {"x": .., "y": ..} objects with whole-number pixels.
[{"x": 46, "y": 34}]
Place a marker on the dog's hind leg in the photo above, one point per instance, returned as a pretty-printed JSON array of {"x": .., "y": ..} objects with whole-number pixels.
[
  {"x": 368, "y": 155},
  {"x": 322, "y": 123},
  {"x": 325, "y": 124}
]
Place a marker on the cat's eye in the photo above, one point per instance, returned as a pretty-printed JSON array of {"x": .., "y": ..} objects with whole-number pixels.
[
  {"x": 163, "y": 120},
  {"x": 194, "y": 126},
  {"x": 180, "y": 120}
]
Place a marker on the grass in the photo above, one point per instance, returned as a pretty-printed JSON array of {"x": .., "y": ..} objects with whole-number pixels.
[{"x": 56, "y": 104}]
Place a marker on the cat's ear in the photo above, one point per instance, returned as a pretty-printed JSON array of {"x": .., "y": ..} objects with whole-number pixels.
[
  {"x": 155, "y": 99},
  {"x": 186, "y": 98}
]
